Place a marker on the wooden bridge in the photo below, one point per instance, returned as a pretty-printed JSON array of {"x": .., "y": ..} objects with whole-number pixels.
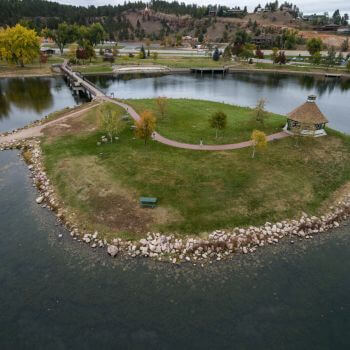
[{"x": 78, "y": 83}]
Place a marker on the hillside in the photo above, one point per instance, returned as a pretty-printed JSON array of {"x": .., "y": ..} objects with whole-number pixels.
[{"x": 160, "y": 20}]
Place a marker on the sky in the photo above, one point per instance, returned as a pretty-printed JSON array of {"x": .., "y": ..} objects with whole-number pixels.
[{"x": 306, "y": 6}]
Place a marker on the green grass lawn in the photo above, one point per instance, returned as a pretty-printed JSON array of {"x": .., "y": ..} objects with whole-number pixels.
[
  {"x": 198, "y": 191},
  {"x": 98, "y": 66},
  {"x": 310, "y": 68},
  {"x": 188, "y": 121}
]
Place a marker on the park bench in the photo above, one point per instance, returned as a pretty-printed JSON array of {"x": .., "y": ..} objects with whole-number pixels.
[{"x": 148, "y": 202}]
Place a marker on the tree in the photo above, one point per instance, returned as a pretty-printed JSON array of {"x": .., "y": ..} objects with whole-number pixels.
[
  {"x": 43, "y": 58},
  {"x": 145, "y": 126},
  {"x": 316, "y": 58},
  {"x": 162, "y": 103},
  {"x": 259, "y": 54},
  {"x": 19, "y": 45},
  {"x": 63, "y": 35},
  {"x": 148, "y": 43},
  {"x": 247, "y": 51},
  {"x": 348, "y": 66},
  {"x": 259, "y": 141},
  {"x": 90, "y": 52},
  {"x": 142, "y": 53},
  {"x": 155, "y": 55},
  {"x": 345, "y": 45},
  {"x": 218, "y": 121},
  {"x": 95, "y": 34},
  {"x": 281, "y": 58},
  {"x": 260, "y": 112},
  {"x": 216, "y": 54},
  {"x": 314, "y": 45},
  {"x": 227, "y": 55},
  {"x": 331, "y": 57},
  {"x": 274, "y": 54},
  {"x": 72, "y": 52},
  {"x": 110, "y": 121}
]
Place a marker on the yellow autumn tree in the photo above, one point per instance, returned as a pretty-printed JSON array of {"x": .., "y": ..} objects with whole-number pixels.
[
  {"x": 259, "y": 140},
  {"x": 19, "y": 45},
  {"x": 145, "y": 126},
  {"x": 162, "y": 103}
]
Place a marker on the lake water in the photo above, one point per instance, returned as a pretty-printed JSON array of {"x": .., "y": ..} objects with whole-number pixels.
[
  {"x": 282, "y": 92},
  {"x": 23, "y": 100},
  {"x": 58, "y": 294}
]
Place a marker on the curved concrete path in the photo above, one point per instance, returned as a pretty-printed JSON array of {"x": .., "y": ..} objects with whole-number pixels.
[
  {"x": 36, "y": 131},
  {"x": 177, "y": 144}
]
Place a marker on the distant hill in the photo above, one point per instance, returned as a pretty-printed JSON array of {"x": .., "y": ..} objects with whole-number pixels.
[{"x": 157, "y": 20}]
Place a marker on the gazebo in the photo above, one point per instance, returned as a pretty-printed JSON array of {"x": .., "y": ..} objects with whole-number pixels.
[{"x": 307, "y": 120}]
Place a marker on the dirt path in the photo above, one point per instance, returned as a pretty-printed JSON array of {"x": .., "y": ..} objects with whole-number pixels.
[{"x": 36, "y": 131}]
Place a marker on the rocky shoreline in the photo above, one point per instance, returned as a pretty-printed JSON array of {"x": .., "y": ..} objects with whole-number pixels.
[{"x": 218, "y": 245}]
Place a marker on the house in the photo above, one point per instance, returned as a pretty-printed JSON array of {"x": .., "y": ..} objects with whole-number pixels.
[
  {"x": 234, "y": 12},
  {"x": 263, "y": 40},
  {"x": 345, "y": 30},
  {"x": 328, "y": 28},
  {"x": 47, "y": 51},
  {"x": 314, "y": 17},
  {"x": 213, "y": 11},
  {"x": 307, "y": 120}
]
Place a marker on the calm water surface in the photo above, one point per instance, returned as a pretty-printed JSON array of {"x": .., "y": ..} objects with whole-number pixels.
[
  {"x": 23, "y": 100},
  {"x": 282, "y": 92},
  {"x": 57, "y": 294}
]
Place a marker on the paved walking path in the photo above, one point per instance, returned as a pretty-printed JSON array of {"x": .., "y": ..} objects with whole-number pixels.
[
  {"x": 198, "y": 147},
  {"x": 36, "y": 131}
]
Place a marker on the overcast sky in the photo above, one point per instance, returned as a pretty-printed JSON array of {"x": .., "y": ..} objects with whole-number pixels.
[{"x": 307, "y": 6}]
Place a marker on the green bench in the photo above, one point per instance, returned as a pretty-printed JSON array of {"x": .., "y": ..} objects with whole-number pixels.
[{"x": 148, "y": 202}]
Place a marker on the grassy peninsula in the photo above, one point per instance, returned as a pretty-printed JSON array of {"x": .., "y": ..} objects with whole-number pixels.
[{"x": 198, "y": 191}]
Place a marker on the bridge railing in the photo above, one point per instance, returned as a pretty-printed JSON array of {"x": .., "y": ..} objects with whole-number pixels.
[{"x": 88, "y": 84}]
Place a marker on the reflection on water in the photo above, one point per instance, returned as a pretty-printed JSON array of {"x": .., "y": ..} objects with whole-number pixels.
[
  {"x": 4, "y": 104},
  {"x": 29, "y": 94},
  {"x": 23, "y": 100},
  {"x": 283, "y": 92}
]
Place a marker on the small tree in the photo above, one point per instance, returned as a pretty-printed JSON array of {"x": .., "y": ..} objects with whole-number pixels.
[
  {"x": 274, "y": 54},
  {"x": 162, "y": 103},
  {"x": 218, "y": 121},
  {"x": 247, "y": 51},
  {"x": 227, "y": 55},
  {"x": 260, "y": 112},
  {"x": 348, "y": 66},
  {"x": 216, "y": 54},
  {"x": 142, "y": 53},
  {"x": 154, "y": 55},
  {"x": 281, "y": 58},
  {"x": 110, "y": 121},
  {"x": 42, "y": 58},
  {"x": 314, "y": 45},
  {"x": 259, "y": 54},
  {"x": 72, "y": 52},
  {"x": 259, "y": 141},
  {"x": 316, "y": 58},
  {"x": 345, "y": 45},
  {"x": 145, "y": 126},
  {"x": 331, "y": 57}
]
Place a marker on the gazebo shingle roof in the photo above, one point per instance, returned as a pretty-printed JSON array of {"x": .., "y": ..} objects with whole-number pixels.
[{"x": 308, "y": 113}]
